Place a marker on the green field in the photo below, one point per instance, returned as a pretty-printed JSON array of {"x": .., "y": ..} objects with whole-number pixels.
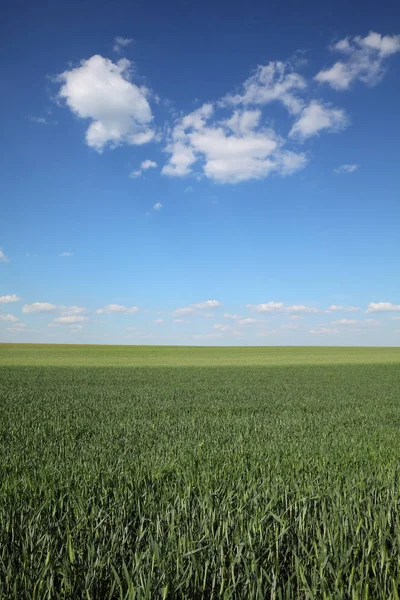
[{"x": 198, "y": 473}]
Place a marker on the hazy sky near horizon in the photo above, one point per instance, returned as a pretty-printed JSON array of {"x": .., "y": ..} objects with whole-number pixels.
[{"x": 200, "y": 173}]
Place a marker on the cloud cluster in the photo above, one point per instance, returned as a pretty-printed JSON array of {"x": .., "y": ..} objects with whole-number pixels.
[
  {"x": 9, "y": 298},
  {"x": 337, "y": 307},
  {"x": 345, "y": 169},
  {"x": 374, "y": 307},
  {"x": 39, "y": 307},
  {"x": 228, "y": 150},
  {"x": 117, "y": 309},
  {"x": 121, "y": 42},
  {"x": 364, "y": 60},
  {"x": 145, "y": 165},
  {"x": 197, "y": 308},
  {"x": 324, "y": 331},
  {"x": 317, "y": 117},
  {"x": 3, "y": 257},
  {"x": 9, "y": 318},
  {"x": 281, "y": 307},
  {"x": 229, "y": 140},
  {"x": 68, "y": 320},
  {"x": 102, "y": 91},
  {"x": 275, "y": 81}
]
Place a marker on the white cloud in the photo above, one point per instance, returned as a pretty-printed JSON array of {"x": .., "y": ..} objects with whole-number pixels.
[
  {"x": 316, "y": 117},
  {"x": 121, "y": 42},
  {"x": 186, "y": 310},
  {"x": 71, "y": 310},
  {"x": 39, "y": 307},
  {"x": 336, "y": 307},
  {"x": 71, "y": 319},
  {"x": 188, "y": 190},
  {"x": 66, "y": 254},
  {"x": 372, "y": 321},
  {"x": 272, "y": 82},
  {"x": 9, "y": 318},
  {"x": 145, "y": 165},
  {"x": 229, "y": 150},
  {"x": 76, "y": 328},
  {"x": 3, "y": 257},
  {"x": 395, "y": 318},
  {"x": 230, "y": 316},
  {"x": 323, "y": 331},
  {"x": 101, "y": 91},
  {"x": 117, "y": 309},
  {"x": 280, "y": 307},
  {"x": 290, "y": 327},
  {"x": 181, "y": 321},
  {"x": 200, "y": 336},
  {"x": 364, "y": 60},
  {"x": 382, "y": 307},
  {"x": 345, "y": 169},
  {"x": 9, "y": 298},
  {"x": 247, "y": 321},
  {"x": 157, "y": 206},
  {"x": 40, "y": 120},
  {"x": 159, "y": 321},
  {"x": 344, "y": 322},
  {"x": 222, "y": 327},
  {"x": 148, "y": 164},
  {"x": 207, "y": 304},
  {"x": 197, "y": 308}
]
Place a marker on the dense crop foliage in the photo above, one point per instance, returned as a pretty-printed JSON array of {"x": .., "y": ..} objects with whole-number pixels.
[{"x": 200, "y": 482}]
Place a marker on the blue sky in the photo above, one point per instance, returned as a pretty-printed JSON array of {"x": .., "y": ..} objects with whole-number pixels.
[{"x": 213, "y": 173}]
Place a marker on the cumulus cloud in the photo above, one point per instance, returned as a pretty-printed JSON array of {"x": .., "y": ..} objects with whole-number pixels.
[
  {"x": 117, "y": 309},
  {"x": 222, "y": 327},
  {"x": 121, "y": 42},
  {"x": 186, "y": 310},
  {"x": 280, "y": 307},
  {"x": 323, "y": 331},
  {"x": 345, "y": 169},
  {"x": 317, "y": 117},
  {"x": 197, "y": 308},
  {"x": 9, "y": 298},
  {"x": 337, "y": 307},
  {"x": 9, "y": 318},
  {"x": 229, "y": 150},
  {"x": 157, "y": 206},
  {"x": 145, "y": 165},
  {"x": 66, "y": 254},
  {"x": 40, "y": 120},
  {"x": 275, "y": 81},
  {"x": 102, "y": 91},
  {"x": 247, "y": 321},
  {"x": 39, "y": 307},
  {"x": 71, "y": 310},
  {"x": 344, "y": 322},
  {"x": 3, "y": 257},
  {"x": 71, "y": 319},
  {"x": 382, "y": 307},
  {"x": 364, "y": 59},
  {"x": 207, "y": 304},
  {"x": 159, "y": 321},
  {"x": 230, "y": 316}
]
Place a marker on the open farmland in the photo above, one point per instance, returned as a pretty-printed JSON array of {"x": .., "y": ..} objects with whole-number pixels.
[{"x": 189, "y": 473}]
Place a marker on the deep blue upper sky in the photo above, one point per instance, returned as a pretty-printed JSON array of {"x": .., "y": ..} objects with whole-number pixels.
[{"x": 227, "y": 158}]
